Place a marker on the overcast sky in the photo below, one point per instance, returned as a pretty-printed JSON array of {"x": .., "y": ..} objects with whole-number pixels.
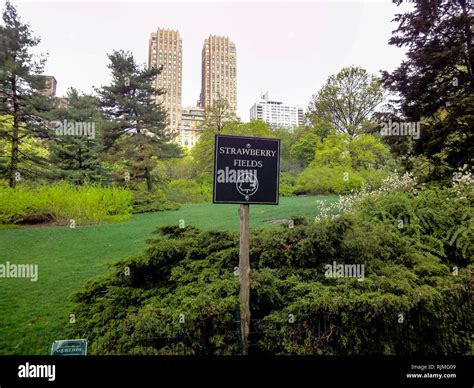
[{"x": 288, "y": 49}]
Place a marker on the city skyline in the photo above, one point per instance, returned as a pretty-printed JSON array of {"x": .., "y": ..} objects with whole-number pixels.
[
  {"x": 290, "y": 53},
  {"x": 219, "y": 80}
]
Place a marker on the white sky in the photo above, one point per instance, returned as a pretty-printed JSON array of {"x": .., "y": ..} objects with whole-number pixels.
[{"x": 288, "y": 49}]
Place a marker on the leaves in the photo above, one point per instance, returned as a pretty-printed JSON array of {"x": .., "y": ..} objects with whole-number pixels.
[
  {"x": 191, "y": 272},
  {"x": 347, "y": 100},
  {"x": 434, "y": 85}
]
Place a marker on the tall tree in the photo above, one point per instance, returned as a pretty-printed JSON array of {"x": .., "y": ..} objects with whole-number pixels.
[
  {"x": 218, "y": 115},
  {"x": 435, "y": 82},
  {"x": 76, "y": 144},
  {"x": 346, "y": 100},
  {"x": 135, "y": 132},
  {"x": 20, "y": 83}
]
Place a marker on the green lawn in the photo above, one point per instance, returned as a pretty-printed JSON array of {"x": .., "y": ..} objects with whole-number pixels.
[{"x": 33, "y": 314}]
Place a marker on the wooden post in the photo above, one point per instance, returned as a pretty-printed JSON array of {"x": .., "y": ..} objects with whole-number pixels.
[{"x": 244, "y": 271}]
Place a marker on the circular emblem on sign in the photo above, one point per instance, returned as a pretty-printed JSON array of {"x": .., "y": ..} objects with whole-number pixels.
[{"x": 247, "y": 184}]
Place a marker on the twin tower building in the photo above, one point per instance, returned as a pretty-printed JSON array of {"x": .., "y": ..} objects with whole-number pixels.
[{"x": 218, "y": 80}]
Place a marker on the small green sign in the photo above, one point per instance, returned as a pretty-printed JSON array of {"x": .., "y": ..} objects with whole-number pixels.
[{"x": 76, "y": 347}]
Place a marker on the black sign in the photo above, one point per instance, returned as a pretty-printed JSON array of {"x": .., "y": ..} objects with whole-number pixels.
[{"x": 246, "y": 170}]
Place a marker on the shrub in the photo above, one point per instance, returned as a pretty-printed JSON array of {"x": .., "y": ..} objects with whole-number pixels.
[
  {"x": 342, "y": 164},
  {"x": 328, "y": 180},
  {"x": 188, "y": 191},
  {"x": 287, "y": 184},
  {"x": 346, "y": 203},
  {"x": 145, "y": 201},
  {"x": 191, "y": 272},
  {"x": 336, "y": 179},
  {"x": 61, "y": 202},
  {"x": 373, "y": 178}
]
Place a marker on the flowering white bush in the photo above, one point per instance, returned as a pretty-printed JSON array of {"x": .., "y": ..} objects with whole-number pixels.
[
  {"x": 463, "y": 181},
  {"x": 463, "y": 177},
  {"x": 346, "y": 202}
]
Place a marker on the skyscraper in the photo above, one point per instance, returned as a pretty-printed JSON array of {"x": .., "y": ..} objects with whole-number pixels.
[
  {"x": 219, "y": 71},
  {"x": 275, "y": 114},
  {"x": 165, "y": 48}
]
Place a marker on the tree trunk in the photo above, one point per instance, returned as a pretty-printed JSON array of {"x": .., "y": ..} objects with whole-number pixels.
[
  {"x": 12, "y": 170},
  {"x": 81, "y": 173},
  {"x": 149, "y": 183}
]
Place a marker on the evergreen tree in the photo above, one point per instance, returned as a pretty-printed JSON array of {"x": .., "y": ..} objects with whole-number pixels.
[
  {"x": 75, "y": 150},
  {"x": 135, "y": 132},
  {"x": 20, "y": 99},
  {"x": 435, "y": 83}
]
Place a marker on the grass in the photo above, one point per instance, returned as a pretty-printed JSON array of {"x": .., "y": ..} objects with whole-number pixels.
[{"x": 34, "y": 314}]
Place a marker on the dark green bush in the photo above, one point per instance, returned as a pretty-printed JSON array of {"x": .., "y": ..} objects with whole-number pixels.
[
  {"x": 180, "y": 295},
  {"x": 144, "y": 201}
]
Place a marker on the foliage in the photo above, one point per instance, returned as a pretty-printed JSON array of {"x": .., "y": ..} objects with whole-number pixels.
[
  {"x": 61, "y": 202},
  {"x": 84, "y": 253},
  {"x": 342, "y": 164},
  {"x": 179, "y": 296},
  {"x": 33, "y": 146},
  {"x": 20, "y": 82},
  {"x": 145, "y": 201},
  {"x": 77, "y": 158},
  {"x": 167, "y": 170},
  {"x": 434, "y": 85},
  {"x": 346, "y": 203},
  {"x": 303, "y": 150},
  {"x": 287, "y": 184},
  {"x": 136, "y": 129},
  {"x": 328, "y": 180},
  {"x": 188, "y": 191},
  {"x": 218, "y": 115},
  {"x": 346, "y": 100},
  {"x": 181, "y": 181}
]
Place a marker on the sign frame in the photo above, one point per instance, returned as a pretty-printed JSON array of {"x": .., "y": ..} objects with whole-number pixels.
[
  {"x": 244, "y": 202},
  {"x": 57, "y": 343}
]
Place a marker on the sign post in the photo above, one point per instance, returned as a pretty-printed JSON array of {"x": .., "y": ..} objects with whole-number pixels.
[
  {"x": 246, "y": 171},
  {"x": 244, "y": 271}
]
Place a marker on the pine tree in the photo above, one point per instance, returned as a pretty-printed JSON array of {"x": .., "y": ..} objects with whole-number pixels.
[
  {"x": 76, "y": 144},
  {"x": 135, "y": 132},
  {"x": 435, "y": 83},
  {"x": 20, "y": 99}
]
